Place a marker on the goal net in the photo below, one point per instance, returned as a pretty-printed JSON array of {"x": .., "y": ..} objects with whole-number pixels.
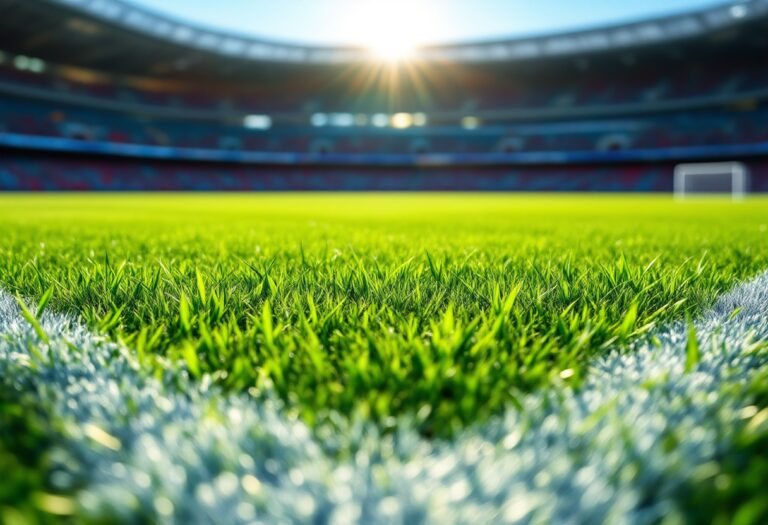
[{"x": 712, "y": 178}]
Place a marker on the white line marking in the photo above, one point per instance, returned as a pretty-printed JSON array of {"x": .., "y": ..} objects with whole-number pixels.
[{"x": 150, "y": 450}]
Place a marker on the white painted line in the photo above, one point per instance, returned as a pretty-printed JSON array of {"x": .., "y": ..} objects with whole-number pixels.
[{"x": 150, "y": 450}]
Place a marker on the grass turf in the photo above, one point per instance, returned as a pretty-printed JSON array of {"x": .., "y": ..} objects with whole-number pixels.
[
  {"x": 442, "y": 308},
  {"x": 617, "y": 449}
]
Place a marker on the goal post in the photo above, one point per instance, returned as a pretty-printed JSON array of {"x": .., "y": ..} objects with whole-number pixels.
[{"x": 710, "y": 178}]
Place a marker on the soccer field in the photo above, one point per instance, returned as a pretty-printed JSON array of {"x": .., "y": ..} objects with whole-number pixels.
[{"x": 387, "y": 359}]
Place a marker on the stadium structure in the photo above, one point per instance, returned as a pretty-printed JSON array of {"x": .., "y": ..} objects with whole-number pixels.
[{"x": 104, "y": 95}]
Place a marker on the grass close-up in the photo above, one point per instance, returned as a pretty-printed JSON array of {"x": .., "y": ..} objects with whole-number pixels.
[{"x": 433, "y": 315}]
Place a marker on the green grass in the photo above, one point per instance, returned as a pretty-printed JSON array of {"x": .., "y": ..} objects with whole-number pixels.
[
  {"x": 734, "y": 492},
  {"x": 439, "y": 307}
]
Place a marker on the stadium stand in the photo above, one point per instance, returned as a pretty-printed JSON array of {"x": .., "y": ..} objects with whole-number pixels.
[
  {"x": 33, "y": 173},
  {"x": 116, "y": 94}
]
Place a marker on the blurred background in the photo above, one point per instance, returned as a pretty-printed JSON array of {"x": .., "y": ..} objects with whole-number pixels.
[{"x": 342, "y": 95}]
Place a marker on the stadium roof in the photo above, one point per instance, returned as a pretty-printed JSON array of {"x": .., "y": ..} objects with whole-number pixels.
[{"x": 118, "y": 35}]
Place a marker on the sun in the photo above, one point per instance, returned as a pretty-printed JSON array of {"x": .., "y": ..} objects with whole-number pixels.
[
  {"x": 392, "y": 30},
  {"x": 392, "y": 50}
]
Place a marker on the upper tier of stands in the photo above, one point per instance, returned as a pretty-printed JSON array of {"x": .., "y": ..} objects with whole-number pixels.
[
  {"x": 539, "y": 111},
  {"x": 478, "y": 91}
]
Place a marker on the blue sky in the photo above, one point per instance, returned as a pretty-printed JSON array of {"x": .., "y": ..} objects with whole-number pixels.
[{"x": 419, "y": 21}]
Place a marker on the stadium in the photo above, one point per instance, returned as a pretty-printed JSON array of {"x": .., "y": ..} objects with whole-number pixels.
[
  {"x": 118, "y": 98},
  {"x": 252, "y": 279}
]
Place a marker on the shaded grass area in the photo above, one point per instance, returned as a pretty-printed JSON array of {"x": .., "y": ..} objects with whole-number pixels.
[
  {"x": 442, "y": 307},
  {"x": 24, "y": 461},
  {"x": 731, "y": 490}
]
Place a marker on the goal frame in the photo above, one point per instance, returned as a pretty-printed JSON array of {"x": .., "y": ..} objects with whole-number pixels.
[{"x": 738, "y": 171}]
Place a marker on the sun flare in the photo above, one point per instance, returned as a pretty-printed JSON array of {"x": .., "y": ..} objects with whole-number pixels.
[
  {"x": 392, "y": 30},
  {"x": 393, "y": 50}
]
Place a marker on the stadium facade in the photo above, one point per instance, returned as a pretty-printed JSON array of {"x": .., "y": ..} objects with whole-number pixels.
[{"x": 103, "y": 95}]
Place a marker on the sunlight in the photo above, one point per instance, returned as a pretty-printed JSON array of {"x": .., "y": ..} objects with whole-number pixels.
[
  {"x": 391, "y": 49},
  {"x": 393, "y": 29}
]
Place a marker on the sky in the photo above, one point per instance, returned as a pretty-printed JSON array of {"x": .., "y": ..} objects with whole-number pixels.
[{"x": 414, "y": 22}]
